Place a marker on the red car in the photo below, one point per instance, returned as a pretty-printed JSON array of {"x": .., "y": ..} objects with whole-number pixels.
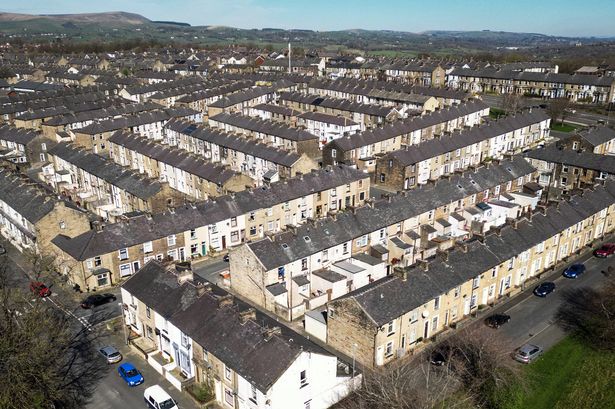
[
  {"x": 39, "y": 289},
  {"x": 606, "y": 250}
]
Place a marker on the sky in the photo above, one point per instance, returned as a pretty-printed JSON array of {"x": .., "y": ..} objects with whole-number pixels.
[{"x": 554, "y": 17}]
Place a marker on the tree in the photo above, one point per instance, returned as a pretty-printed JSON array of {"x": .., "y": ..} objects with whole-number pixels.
[
  {"x": 589, "y": 314},
  {"x": 558, "y": 108},
  {"x": 479, "y": 359},
  {"x": 511, "y": 102},
  {"x": 46, "y": 361},
  {"x": 6, "y": 72}
]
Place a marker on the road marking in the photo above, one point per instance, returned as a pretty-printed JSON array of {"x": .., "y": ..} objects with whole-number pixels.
[{"x": 82, "y": 320}]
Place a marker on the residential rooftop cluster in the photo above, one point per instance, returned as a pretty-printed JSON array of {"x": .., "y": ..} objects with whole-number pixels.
[{"x": 362, "y": 206}]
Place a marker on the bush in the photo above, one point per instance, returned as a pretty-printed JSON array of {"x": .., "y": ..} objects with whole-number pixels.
[{"x": 202, "y": 392}]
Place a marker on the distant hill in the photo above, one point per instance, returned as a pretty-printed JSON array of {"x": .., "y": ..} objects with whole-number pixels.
[{"x": 116, "y": 17}]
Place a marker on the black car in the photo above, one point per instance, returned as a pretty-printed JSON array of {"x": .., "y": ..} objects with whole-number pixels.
[
  {"x": 497, "y": 320},
  {"x": 97, "y": 299},
  {"x": 437, "y": 358},
  {"x": 544, "y": 289},
  {"x": 2, "y": 250}
]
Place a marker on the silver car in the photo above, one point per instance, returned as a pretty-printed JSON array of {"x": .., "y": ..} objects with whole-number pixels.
[
  {"x": 111, "y": 354},
  {"x": 527, "y": 353}
]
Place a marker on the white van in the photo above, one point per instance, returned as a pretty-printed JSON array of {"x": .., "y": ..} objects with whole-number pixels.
[{"x": 157, "y": 398}]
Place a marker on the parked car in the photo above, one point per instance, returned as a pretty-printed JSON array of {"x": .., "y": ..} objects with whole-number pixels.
[
  {"x": 527, "y": 353},
  {"x": 111, "y": 354},
  {"x": 544, "y": 289},
  {"x": 2, "y": 250},
  {"x": 225, "y": 258},
  {"x": 606, "y": 250},
  {"x": 130, "y": 374},
  {"x": 437, "y": 358},
  {"x": 574, "y": 271},
  {"x": 157, "y": 398},
  {"x": 95, "y": 300},
  {"x": 497, "y": 320},
  {"x": 39, "y": 289}
]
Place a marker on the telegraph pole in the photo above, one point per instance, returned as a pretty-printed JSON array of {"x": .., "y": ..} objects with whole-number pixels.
[{"x": 289, "y": 66}]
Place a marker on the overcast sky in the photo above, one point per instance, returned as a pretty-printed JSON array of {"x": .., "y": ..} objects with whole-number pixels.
[{"x": 556, "y": 17}]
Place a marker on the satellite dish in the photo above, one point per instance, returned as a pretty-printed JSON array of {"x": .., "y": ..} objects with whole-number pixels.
[{"x": 425, "y": 314}]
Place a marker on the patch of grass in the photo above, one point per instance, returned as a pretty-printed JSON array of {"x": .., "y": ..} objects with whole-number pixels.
[
  {"x": 570, "y": 375},
  {"x": 563, "y": 127},
  {"x": 495, "y": 113}
]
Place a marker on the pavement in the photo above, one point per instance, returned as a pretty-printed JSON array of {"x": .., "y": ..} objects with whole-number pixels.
[
  {"x": 211, "y": 269},
  {"x": 533, "y": 318},
  {"x": 113, "y": 393}
]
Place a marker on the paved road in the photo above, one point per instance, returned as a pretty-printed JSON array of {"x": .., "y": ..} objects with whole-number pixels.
[
  {"x": 532, "y": 318},
  {"x": 113, "y": 393},
  {"x": 210, "y": 270}
]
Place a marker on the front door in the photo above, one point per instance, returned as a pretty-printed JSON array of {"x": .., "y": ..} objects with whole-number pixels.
[
  {"x": 223, "y": 242},
  {"x": 485, "y": 295},
  {"x": 380, "y": 356},
  {"x": 426, "y": 330}
]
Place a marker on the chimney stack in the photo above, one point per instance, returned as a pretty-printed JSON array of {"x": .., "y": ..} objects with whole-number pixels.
[
  {"x": 246, "y": 315},
  {"x": 423, "y": 264},
  {"x": 270, "y": 332},
  {"x": 225, "y": 301},
  {"x": 401, "y": 273}
]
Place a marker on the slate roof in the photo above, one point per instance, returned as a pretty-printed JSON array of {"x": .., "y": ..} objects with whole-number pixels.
[
  {"x": 250, "y": 147},
  {"x": 241, "y": 347},
  {"x": 329, "y": 232},
  {"x": 18, "y": 135},
  {"x": 587, "y": 160},
  {"x": 140, "y": 229},
  {"x": 390, "y": 297},
  {"x": 558, "y": 78},
  {"x": 597, "y": 135},
  {"x": 178, "y": 158},
  {"x": 328, "y": 119},
  {"x": 406, "y": 126},
  {"x": 466, "y": 137},
  {"x": 264, "y": 127},
  {"x": 337, "y": 103},
  {"x": 114, "y": 174},
  {"x": 241, "y": 96},
  {"x": 31, "y": 202},
  {"x": 277, "y": 109}
]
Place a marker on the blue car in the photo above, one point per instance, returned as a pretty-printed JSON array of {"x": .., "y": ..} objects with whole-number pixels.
[
  {"x": 130, "y": 374},
  {"x": 574, "y": 271}
]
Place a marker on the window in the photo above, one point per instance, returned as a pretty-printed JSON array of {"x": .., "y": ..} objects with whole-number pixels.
[
  {"x": 253, "y": 395},
  {"x": 253, "y": 231},
  {"x": 414, "y": 317},
  {"x": 192, "y": 234},
  {"x": 125, "y": 270},
  {"x": 227, "y": 372},
  {"x": 436, "y": 303},
  {"x": 148, "y": 247},
  {"x": 494, "y": 272},
  {"x": 102, "y": 279},
  {"x": 334, "y": 153},
  {"x": 148, "y": 312},
  {"x": 234, "y": 236},
  {"x": 391, "y": 328},
  {"x": 325, "y": 255},
  {"x": 434, "y": 324},
  {"x": 171, "y": 240},
  {"x": 304, "y": 264},
  {"x": 388, "y": 350},
  {"x": 281, "y": 273},
  {"x": 476, "y": 282},
  {"x": 382, "y": 177},
  {"x": 457, "y": 292},
  {"x": 362, "y": 241},
  {"x": 123, "y": 254},
  {"x": 149, "y": 332},
  {"x": 228, "y": 396},
  {"x": 185, "y": 340},
  {"x": 345, "y": 248},
  {"x": 233, "y": 222},
  {"x": 303, "y": 378}
]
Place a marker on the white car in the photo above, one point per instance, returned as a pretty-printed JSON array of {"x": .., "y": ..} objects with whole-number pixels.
[{"x": 157, "y": 398}]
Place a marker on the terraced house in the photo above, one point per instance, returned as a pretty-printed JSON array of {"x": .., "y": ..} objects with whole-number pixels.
[
  {"x": 391, "y": 317},
  {"x": 30, "y": 216},
  {"x": 577, "y": 88},
  {"x": 23, "y": 146},
  {"x": 282, "y": 272},
  {"x": 260, "y": 161},
  {"x": 183, "y": 171},
  {"x": 106, "y": 255},
  {"x": 276, "y": 134},
  {"x": 363, "y": 148},
  {"x": 193, "y": 332},
  {"x": 103, "y": 187},
  {"x": 429, "y": 160}
]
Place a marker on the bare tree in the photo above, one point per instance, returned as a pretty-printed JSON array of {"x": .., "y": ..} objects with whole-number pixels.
[
  {"x": 47, "y": 361},
  {"x": 479, "y": 358},
  {"x": 559, "y": 108},
  {"x": 589, "y": 314},
  {"x": 511, "y": 102}
]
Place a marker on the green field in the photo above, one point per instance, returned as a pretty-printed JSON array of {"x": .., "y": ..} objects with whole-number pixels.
[
  {"x": 569, "y": 376},
  {"x": 563, "y": 128}
]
